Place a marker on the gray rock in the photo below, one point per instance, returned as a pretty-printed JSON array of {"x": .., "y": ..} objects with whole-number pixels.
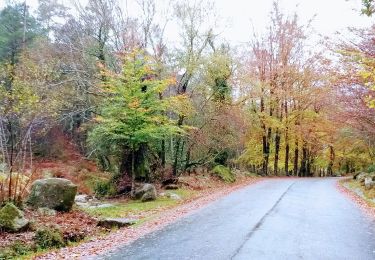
[
  {"x": 369, "y": 183},
  {"x": 52, "y": 193},
  {"x": 82, "y": 198},
  {"x": 146, "y": 193},
  {"x": 173, "y": 196},
  {"x": 361, "y": 176},
  {"x": 148, "y": 197},
  {"x": 12, "y": 219},
  {"x": 116, "y": 222},
  {"x": 101, "y": 206},
  {"x": 46, "y": 212},
  {"x": 170, "y": 195},
  {"x": 83, "y": 204}
]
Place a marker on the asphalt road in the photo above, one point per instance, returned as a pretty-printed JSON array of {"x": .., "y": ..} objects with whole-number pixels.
[{"x": 274, "y": 219}]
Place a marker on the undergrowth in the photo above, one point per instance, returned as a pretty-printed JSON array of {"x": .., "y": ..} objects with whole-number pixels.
[{"x": 224, "y": 173}]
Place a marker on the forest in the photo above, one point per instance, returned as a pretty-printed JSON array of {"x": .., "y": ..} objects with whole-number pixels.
[
  {"x": 118, "y": 118},
  {"x": 144, "y": 108}
]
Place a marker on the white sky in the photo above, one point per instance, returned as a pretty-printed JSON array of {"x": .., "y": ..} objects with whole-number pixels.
[{"x": 240, "y": 16}]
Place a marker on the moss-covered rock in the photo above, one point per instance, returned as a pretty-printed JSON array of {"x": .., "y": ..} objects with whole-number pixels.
[
  {"x": 224, "y": 173},
  {"x": 12, "y": 219},
  {"x": 146, "y": 193},
  {"x": 53, "y": 193}
]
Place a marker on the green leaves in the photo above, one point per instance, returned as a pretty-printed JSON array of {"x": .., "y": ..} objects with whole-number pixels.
[{"x": 132, "y": 111}]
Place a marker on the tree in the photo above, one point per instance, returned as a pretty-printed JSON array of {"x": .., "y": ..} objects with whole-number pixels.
[
  {"x": 368, "y": 7},
  {"x": 196, "y": 35},
  {"x": 132, "y": 114},
  {"x": 18, "y": 99}
]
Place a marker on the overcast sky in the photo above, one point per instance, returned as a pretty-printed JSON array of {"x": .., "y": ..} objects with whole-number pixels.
[{"x": 239, "y": 16}]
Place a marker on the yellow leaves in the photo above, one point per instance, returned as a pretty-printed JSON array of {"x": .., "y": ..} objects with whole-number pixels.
[
  {"x": 171, "y": 81},
  {"x": 134, "y": 104},
  {"x": 3, "y": 177},
  {"x": 99, "y": 119},
  {"x": 181, "y": 105}
]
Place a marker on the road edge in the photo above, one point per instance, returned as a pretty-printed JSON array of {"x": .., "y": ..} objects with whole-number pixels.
[
  {"x": 361, "y": 202},
  {"x": 102, "y": 245}
]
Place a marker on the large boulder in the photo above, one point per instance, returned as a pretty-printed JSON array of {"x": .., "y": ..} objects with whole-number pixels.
[
  {"x": 53, "y": 193},
  {"x": 360, "y": 176},
  {"x": 146, "y": 193},
  {"x": 12, "y": 219},
  {"x": 369, "y": 183}
]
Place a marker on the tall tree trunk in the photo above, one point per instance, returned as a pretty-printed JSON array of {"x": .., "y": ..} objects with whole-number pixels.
[
  {"x": 162, "y": 153},
  {"x": 264, "y": 140},
  {"x": 331, "y": 161},
  {"x": 265, "y": 155},
  {"x": 303, "y": 169},
  {"x": 308, "y": 163},
  {"x": 177, "y": 147},
  {"x": 279, "y": 114},
  {"x": 133, "y": 172},
  {"x": 277, "y": 150},
  {"x": 286, "y": 166},
  {"x": 11, "y": 160},
  {"x": 296, "y": 159},
  {"x": 175, "y": 161},
  {"x": 188, "y": 154}
]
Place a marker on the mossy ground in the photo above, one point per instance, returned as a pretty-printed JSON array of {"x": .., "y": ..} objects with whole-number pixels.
[{"x": 130, "y": 208}]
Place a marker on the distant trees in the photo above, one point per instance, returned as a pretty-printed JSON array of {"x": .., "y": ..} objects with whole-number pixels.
[{"x": 292, "y": 104}]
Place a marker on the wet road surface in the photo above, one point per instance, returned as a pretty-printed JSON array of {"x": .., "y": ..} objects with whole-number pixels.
[{"x": 274, "y": 219}]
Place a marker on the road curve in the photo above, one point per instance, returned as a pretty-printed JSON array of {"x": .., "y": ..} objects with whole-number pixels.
[{"x": 274, "y": 219}]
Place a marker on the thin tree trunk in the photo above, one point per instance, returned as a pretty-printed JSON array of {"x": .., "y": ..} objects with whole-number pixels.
[
  {"x": 12, "y": 136},
  {"x": 133, "y": 172}
]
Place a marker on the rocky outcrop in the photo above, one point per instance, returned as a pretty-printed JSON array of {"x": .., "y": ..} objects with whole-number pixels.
[
  {"x": 12, "y": 219},
  {"x": 52, "y": 193},
  {"x": 146, "y": 193}
]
